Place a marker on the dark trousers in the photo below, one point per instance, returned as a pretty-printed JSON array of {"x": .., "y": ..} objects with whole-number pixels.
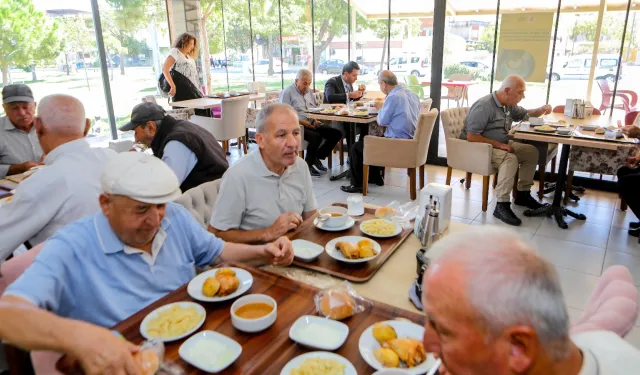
[
  {"x": 629, "y": 188},
  {"x": 356, "y": 166},
  {"x": 321, "y": 141}
]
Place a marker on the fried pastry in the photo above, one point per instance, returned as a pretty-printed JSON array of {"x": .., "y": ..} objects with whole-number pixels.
[
  {"x": 366, "y": 249},
  {"x": 387, "y": 357},
  {"x": 210, "y": 287},
  {"x": 410, "y": 351},
  {"x": 228, "y": 284},
  {"x": 349, "y": 250},
  {"x": 383, "y": 332},
  {"x": 226, "y": 271}
]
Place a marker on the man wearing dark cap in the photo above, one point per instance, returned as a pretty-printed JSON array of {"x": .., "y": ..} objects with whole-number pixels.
[
  {"x": 19, "y": 146},
  {"x": 191, "y": 151}
]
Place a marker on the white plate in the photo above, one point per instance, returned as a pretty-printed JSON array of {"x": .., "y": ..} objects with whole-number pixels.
[
  {"x": 395, "y": 233},
  {"x": 404, "y": 329},
  {"x": 336, "y": 254},
  {"x": 297, "y": 362},
  {"x": 154, "y": 313},
  {"x": 195, "y": 285},
  {"x": 305, "y": 250},
  {"x": 349, "y": 224},
  {"x": 233, "y": 351},
  {"x": 314, "y": 109},
  {"x": 306, "y": 320},
  {"x": 589, "y": 128}
]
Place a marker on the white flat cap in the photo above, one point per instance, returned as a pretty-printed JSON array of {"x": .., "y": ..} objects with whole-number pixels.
[{"x": 141, "y": 177}]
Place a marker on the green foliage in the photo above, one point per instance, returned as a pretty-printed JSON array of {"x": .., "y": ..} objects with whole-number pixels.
[
  {"x": 452, "y": 69},
  {"x": 27, "y": 36}
]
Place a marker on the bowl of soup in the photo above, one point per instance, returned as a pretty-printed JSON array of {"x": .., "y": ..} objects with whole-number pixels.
[
  {"x": 254, "y": 313},
  {"x": 336, "y": 216}
]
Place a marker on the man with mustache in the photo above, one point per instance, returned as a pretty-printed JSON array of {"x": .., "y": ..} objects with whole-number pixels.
[
  {"x": 268, "y": 192},
  {"x": 19, "y": 146}
]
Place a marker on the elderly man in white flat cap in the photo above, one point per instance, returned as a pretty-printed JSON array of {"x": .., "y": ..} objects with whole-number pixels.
[{"x": 105, "y": 267}]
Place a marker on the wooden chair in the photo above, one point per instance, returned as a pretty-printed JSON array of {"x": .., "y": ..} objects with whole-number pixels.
[{"x": 401, "y": 153}]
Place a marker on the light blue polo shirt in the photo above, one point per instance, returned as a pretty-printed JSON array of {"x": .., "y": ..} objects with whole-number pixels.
[{"x": 85, "y": 272}]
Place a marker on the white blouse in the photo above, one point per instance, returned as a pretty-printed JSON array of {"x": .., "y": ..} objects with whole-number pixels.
[{"x": 186, "y": 66}]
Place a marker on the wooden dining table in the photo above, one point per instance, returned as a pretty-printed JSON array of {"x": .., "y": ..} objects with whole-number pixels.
[
  {"x": 206, "y": 103},
  {"x": 556, "y": 209}
]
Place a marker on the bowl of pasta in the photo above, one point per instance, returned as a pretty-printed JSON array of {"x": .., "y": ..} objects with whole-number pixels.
[{"x": 173, "y": 321}]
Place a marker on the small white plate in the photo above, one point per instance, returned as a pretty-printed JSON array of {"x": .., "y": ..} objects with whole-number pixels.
[
  {"x": 589, "y": 128},
  {"x": 336, "y": 254},
  {"x": 294, "y": 332},
  {"x": 154, "y": 313},
  {"x": 314, "y": 109},
  {"x": 297, "y": 362},
  {"x": 405, "y": 329},
  {"x": 231, "y": 353},
  {"x": 306, "y": 251},
  {"x": 350, "y": 222},
  {"x": 395, "y": 233},
  {"x": 195, "y": 285}
]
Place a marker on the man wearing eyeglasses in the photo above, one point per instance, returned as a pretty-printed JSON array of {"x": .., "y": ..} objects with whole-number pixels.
[
  {"x": 489, "y": 121},
  {"x": 321, "y": 138}
]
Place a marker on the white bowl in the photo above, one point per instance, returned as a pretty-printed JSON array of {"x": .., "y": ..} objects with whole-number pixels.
[
  {"x": 253, "y": 325},
  {"x": 195, "y": 285},
  {"x": 296, "y": 332},
  {"x": 297, "y": 362},
  {"x": 335, "y": 221},
  {"x": 232, "y": 351},
  {"x": 306, "y": 251},
  {"x": 144, "y": 331},
  {"x": 564, "y": 131},
  {"x": 536, "y": 121},
  {"x": 394, "y": 371}
]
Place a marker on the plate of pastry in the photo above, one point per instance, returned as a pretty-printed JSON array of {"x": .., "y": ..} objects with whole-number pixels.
[
  {"x": 353, "y": 249},
  {"x": 220, "y": 284},
  {"x": 395, "y": 344}
]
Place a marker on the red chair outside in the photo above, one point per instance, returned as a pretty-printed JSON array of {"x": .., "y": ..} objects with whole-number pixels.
[{"x": 627, "y": 98}]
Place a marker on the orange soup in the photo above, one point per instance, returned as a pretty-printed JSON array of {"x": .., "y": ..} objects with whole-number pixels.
[{"x": 254, "y": 310}]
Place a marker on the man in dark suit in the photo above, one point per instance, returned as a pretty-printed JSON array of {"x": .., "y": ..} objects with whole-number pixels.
[{"x": 336, "y": 91}]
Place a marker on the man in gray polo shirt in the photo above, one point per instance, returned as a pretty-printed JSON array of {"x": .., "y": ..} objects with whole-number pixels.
[
  {"x": 489, "y": 121},
  {"x": 321, "y": 138},
  {"x": 268, "y": 192},
  {"x": 19, "y": 146}
]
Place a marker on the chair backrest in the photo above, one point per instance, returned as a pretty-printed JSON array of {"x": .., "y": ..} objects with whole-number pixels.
[
  {"x": 453, "y": 121},
  {"x": 200, "y": 200},
  {"x": 319, "y": 97},
  {"x": 461, "y": 77},
  {"x": 181, "y": 113},
  {"x": 14, "y": 267},
  {"x": 251, "y": 86},
  {"x": 632, "y": 118},
  {"x": 596, "y": 112},
  {"x": 268, "y": 102},
  {"x": 121, "y": 145},
  {"x": 558, "y": 109},
  {"x": 425, "y": 105},
  {"x": 426, "y": 123},
  {"x": 417, "y": 90},
  {"x": 412, "y": 80},
  {"x": 604, "y": 86},
  {"x": 272, "y": 95},
  {"x": 233, "y": 122}
]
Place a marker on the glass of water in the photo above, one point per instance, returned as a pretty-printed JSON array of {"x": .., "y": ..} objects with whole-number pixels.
[{"x": 355, "y": 205}]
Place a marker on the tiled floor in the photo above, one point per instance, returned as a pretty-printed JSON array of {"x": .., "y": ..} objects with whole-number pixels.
[{"x": 579, "y": 253}]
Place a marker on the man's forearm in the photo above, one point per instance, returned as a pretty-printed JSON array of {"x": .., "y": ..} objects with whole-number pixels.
[
  {"x": 536, "y": 112},
  {"x": 258, "y": 236},
  {"x": 31, "y": 328},
  {"x": 240, "y": 253},
  {"x": 481, "y": 139}
]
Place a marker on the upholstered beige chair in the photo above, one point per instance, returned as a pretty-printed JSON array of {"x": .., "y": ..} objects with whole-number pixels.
[
  {"x": 471, "y": 157},
  {"x": 231, "y": 125},
  {"x": 425, "y": 105},
  {"x": 200, "y": 200},
  {"x": 401, "y": 153}
]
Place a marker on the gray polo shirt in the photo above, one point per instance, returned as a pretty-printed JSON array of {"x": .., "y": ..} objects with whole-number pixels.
[
  {"x": 252, "y": 197},
  {"x": 489, "y": 118},
  {"x": 16, "y": 146},
  {"x": 292, "y": 96}
]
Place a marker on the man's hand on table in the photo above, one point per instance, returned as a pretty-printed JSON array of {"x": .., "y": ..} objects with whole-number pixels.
[
  {"x": 99, "y": 351},
  {"x": 355, "y": 95},
  {"x": 285, "y": 223},
  {"x": 21, "y": 168},
  {"x": 279, "y": 252},
  {"x": 631, "y": 131},
  {"x": 505, "y": 147}
]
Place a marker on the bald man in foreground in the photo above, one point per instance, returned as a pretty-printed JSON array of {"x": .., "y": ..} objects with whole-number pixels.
[
  {"x": 494, "y": 306},
  {"x": 489, "y": 121},
  {"x": 66, "y": 188}
]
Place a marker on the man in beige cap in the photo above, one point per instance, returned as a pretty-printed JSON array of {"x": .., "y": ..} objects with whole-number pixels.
[
  {"x": 105, "y": 267},
  {"x": 19, "y": 147},
  {"x": 66, "y": 188}
]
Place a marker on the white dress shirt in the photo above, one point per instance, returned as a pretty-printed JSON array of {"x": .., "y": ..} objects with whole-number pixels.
[
  {"x": 65, "y": 190},
  {"x": 606, "y": 353}
]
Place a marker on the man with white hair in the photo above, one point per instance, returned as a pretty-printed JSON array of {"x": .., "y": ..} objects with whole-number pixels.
[
  {"x": 321, "y": 138},
  {"x": 66, "y": 188},
  {"x": 137, "y": 249},
  {"x": 494, "y": 306},
  {"x": 489, "y": 121},
  {"x": 268, "y": 192}
]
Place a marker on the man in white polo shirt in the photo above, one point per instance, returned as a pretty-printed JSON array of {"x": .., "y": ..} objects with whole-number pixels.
[{"x": 268, "y": 192}]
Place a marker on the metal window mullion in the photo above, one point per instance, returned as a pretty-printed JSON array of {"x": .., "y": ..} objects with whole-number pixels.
[
  {"x": 253, "y": 67},
  {"x": 553, "y": 51},
  {"x": 495, "y": 47},
  {"x": 224, "y": 41},
  {"x": 624, "y": 34}
]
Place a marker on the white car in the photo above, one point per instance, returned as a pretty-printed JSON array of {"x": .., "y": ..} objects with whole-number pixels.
[
  {"x": 579, "y": 67},
  {"x": 408, "y": 63},
  {"x": 262, "y": 66}
]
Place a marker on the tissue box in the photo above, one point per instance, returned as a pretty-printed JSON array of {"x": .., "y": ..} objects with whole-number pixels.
[{"x": 444, "y": 195}]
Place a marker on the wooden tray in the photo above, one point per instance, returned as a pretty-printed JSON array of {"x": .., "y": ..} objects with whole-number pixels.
[
  {"x": 267, "y": 352},
  {"x": 356, "y": 272}
]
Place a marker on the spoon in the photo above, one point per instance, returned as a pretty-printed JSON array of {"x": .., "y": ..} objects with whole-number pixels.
[{"x": 323, "y": 217}]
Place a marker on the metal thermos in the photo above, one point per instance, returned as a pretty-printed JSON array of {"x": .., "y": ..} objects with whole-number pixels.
[
  {"x": 423, "y": 220},
  {"x": 430, "y": 231}
]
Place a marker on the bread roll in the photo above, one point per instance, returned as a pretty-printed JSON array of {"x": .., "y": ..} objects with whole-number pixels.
[
  {"x": 337, "y": 305},
  {"x": 385, "y": 212},
  {"x": 147, "y": 362}
]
